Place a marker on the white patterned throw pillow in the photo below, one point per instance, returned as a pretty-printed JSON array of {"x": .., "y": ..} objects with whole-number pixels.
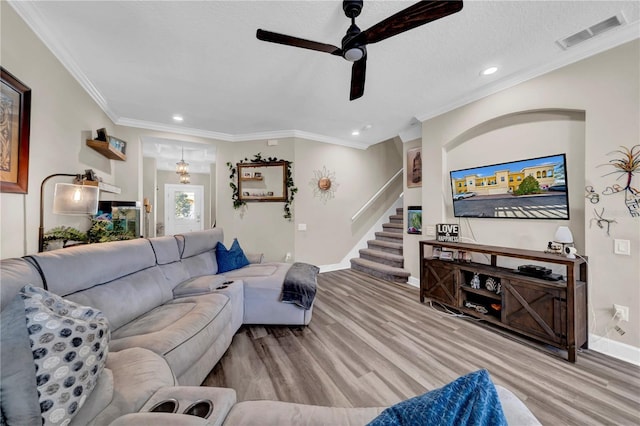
[{"x": 69, "y": 343}]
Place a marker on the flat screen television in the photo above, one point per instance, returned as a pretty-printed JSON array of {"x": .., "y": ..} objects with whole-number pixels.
[{"x": 535, "y": 188}]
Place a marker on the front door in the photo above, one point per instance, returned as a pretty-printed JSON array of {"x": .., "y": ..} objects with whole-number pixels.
[{"x": 183, "y": 208}]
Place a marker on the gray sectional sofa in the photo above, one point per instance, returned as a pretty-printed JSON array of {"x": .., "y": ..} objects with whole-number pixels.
[{"x": 171, "y": 317}]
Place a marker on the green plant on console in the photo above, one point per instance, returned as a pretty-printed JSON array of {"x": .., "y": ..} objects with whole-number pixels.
[
  {"x": 64, "y": 234},
  {"x": 102, "y": 231},
  {"x": 291, "y": 188}
]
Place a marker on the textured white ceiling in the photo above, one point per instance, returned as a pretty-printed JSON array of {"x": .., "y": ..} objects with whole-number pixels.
[
  {"x": 144, "y": 61},
  {"x": 168, "y": 152}
]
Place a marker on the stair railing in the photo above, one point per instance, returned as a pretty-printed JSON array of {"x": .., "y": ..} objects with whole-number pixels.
[{"x": 375, "y": 196}]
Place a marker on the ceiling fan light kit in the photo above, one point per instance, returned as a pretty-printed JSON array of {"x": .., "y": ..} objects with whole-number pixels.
[{"x": 354, "y": 43}]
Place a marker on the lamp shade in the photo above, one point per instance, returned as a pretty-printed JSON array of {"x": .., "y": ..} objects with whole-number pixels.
[
  {"x": 75, "y": 199},
  {"x": 563, "y": 235}
]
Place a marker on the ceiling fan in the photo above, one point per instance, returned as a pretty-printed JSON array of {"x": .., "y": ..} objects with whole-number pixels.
[{"x": 354, "y": 43}]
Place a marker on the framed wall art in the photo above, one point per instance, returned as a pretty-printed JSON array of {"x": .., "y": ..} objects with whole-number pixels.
[
  {"x": 414, "y": 168},
  {"x": 15, "y": 116}
]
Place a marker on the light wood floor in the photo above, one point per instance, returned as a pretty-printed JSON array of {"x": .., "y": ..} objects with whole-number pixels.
[{"x": 372, "y": 343}]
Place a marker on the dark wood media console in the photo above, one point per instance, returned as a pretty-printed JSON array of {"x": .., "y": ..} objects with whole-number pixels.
[{"x": 550, "y": 312}]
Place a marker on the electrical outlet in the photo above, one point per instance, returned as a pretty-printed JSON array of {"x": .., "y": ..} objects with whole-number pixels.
[
  {"x": 622, "y": 312},
  {"x": 622, "y": 247}
]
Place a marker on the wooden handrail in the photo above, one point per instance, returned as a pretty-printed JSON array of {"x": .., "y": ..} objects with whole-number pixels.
[{"x": 375, "y": 196}]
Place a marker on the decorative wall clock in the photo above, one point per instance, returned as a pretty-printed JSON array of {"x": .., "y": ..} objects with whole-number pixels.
[{"x": 324, "y": 184}]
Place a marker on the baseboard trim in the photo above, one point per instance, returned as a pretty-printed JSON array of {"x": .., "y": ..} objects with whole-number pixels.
[
  {"x": 415, "y": 282},
  {"x": 614, "y": 349}
]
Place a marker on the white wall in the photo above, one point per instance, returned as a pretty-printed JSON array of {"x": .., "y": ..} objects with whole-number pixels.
[
  {"x": 63, "y": 116},
  {"x": 412, "y": 197},
  {"x": 606, "y": 88},
  {"x": 358, "y": 175}
]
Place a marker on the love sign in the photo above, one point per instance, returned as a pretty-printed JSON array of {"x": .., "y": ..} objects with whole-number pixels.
[{"x": 447, "y": 232}]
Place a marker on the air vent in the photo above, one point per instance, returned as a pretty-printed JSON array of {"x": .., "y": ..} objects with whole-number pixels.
[{"x": 592, "y": 31}]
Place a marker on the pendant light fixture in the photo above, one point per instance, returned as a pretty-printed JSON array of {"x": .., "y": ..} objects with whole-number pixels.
[
  {"x": 181, "y": 166},
  {"x": 182, "y": 169}
]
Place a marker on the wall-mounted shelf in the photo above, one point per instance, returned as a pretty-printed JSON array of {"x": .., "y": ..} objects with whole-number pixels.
[
  {"x": 106, "y": 149},
  {"x": 252, "y": 178},
  {"x": 103, "y": 186}
]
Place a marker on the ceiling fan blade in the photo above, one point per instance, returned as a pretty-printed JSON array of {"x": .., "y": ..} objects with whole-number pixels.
[
  {"x": 297, "y": 42},
  {"x": 358, "y": 71},
  {"x": 409, "y": 18}
]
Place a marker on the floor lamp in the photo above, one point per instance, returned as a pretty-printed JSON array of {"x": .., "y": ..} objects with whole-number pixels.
[{"x": 69, "y": 199}]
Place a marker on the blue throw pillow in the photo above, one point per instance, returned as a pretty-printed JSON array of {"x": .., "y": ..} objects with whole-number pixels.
[
  {"x": 469, "y": 400},
  {"x": 231, "y": 259}
]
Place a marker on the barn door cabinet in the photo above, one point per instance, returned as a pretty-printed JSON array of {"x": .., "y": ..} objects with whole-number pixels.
[{"x": 549, "y": 312}]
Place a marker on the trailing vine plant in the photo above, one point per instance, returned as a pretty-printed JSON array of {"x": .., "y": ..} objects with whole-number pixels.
[{"x": 291, "y": 188}]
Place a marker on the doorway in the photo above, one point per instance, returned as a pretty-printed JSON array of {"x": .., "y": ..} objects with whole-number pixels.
[{"x": 184, "y": 208}]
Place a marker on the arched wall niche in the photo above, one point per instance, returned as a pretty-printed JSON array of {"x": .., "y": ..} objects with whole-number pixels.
[
  {"x": 513, "y": 119},
  {"x": 517, "y": 136}
]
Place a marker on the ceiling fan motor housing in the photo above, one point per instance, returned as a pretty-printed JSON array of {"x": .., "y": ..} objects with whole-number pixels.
[{"x": 352, "y": 8}]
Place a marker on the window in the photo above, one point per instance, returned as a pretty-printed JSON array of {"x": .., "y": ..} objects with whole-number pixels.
[{"x": 184, "y": 205}]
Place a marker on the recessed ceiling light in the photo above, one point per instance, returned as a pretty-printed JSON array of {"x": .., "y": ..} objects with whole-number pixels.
[
  {"x": 489, "y": 71},
  {"x": 177, "y": 118},
  {"x": 355, "y": 133}
]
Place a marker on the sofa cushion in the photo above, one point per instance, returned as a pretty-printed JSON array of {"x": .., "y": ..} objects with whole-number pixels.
[
  {"x": 69, "y": 345},
  {"x": 198, "y": 285},
  {"x": 194, "y": 243},
  {"x": 166, "y": 249},
  {"x": 18, "y": 392},
  {"x": 231, "y": 259},
  {"x": 127, "y": 298},
  {"x": 470, "y": 399},
  {"x": 15, "y": 273},
  {"x": 179, "y": 330},
  {"x": 137, "y": 374},
  {"x": 81, "y": 267},
  {"x": 257, "y": 270},
  {"x": 262, "y": 291}
]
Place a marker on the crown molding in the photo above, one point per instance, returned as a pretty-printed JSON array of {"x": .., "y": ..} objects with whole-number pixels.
[
  {"x": 227, "y": 137},
  {"x": 168, "y": 128},
  {"x": 590, "y": 48},
  {"x": 411, "y": 134}
]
